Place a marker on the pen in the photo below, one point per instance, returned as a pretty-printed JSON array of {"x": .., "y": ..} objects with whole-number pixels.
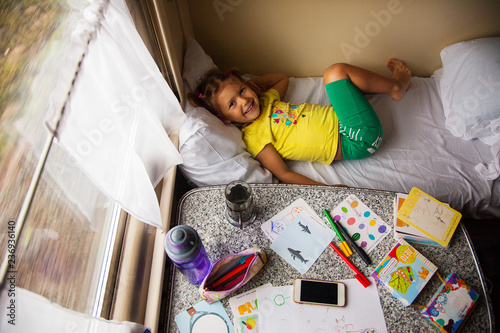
[
  {"x": 343, "y": 245},
  {"x": 233, "y": 272},
  {"x": 232, "y": 282},
  {"x": 359, "y": 276},
  {"x": 353, "y": 244},
  {"x": 227, "y": 269}
]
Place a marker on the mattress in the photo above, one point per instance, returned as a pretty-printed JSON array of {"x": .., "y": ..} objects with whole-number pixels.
[{"x": 417, "y": 151}]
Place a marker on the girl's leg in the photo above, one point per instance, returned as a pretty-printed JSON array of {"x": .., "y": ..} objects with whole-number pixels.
[{"x": 369, "y": 82}]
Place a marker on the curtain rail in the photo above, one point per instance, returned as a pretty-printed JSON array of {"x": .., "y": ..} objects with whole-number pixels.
[{"x": 28, "y": 199}]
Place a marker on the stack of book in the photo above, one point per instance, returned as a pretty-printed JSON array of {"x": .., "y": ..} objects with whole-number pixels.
[
  {"x": 422, "y": 219},
  {"x": 404, "y": 272}
]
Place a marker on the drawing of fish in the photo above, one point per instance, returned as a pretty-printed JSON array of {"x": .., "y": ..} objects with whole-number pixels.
[
  {"x": 305, "y": 228},
  {"x": 296, "y": 254}
]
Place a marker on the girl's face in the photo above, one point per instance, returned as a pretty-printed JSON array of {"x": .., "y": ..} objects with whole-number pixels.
[{"x": 238, "y": 103}]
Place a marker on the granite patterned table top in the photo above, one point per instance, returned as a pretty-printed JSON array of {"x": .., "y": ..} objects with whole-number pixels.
[{"x": 203, "y": 209}]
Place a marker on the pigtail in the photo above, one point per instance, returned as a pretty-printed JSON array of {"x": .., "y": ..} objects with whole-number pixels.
[{"x": 196, "y": 99}]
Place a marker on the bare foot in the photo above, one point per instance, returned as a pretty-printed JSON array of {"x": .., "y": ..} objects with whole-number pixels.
[{"x": 402, "y": 74}]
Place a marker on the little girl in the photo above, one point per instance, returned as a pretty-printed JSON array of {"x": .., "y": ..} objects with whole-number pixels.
[{"x": 274, "y": 131}]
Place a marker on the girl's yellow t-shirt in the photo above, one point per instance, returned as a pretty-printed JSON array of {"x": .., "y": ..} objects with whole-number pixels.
[{"x": 304, "y": 132}]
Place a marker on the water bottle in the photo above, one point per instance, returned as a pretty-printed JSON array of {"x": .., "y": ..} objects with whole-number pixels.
[{"x": 184, "y": 247}]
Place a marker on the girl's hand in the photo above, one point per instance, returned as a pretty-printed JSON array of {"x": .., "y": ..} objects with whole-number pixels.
[{"x": 252, "y": 85}]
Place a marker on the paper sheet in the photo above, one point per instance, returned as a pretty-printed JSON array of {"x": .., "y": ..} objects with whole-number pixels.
[
  {"x": 246, "y": 311},
  {"x": 362, "y": 312},
  {"x": 273, "y": 227},
  {"x": 302, "y": 242},
  {"x": 365, "y": 227},
  {"x": 209, "y": 318}
]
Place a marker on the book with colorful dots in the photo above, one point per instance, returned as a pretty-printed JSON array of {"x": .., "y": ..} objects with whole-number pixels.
[
  {"x": 365, "y": 227},
  {"x": 404, "y": 272}
]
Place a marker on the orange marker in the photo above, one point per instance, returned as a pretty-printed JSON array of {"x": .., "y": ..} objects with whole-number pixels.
[{"x": 343, "y": 244}]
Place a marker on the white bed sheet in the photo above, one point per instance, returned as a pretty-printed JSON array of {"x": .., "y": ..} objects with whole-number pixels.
[{"x": 417, "y": 151}]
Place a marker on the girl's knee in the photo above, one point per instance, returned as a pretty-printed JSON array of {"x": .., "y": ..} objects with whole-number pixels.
[{"x": 335, "y": 72}]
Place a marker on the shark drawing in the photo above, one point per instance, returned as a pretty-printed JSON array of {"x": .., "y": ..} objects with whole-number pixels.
[
  {"x": 305, "y": 228},
  {"x": 296, "y": 254}
]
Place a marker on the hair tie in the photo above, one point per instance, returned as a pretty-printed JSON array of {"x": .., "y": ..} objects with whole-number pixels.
[
  {"x": 200, "y": 95},
  {"x": 228, "y": 71}
]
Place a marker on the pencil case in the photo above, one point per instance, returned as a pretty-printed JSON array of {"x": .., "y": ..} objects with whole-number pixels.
[{"x": 231, "y": 273}]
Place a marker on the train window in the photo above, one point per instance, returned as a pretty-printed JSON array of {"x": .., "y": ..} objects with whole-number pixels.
[{"x": 70, "y": 224}]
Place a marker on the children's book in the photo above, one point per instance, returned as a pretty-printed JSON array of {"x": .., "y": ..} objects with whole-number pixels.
[
  {"x": 404, "y": 271},
  {"x": 433, "y": 218},
  {"x": 406, "y": 231},
  {"x": 451, "y": 305},
  {"x": 365, "y": 227}
]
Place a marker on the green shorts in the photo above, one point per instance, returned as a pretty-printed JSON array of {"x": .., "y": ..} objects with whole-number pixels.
[{"x": 359, "y": 126}]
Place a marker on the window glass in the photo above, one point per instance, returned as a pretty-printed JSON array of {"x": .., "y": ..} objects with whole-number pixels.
[{"x": 61, "y": 248}]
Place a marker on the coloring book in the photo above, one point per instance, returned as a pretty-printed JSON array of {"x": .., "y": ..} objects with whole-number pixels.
[
  {"x": 404, "y": 271},
  {"x": 429, "y": 216}
]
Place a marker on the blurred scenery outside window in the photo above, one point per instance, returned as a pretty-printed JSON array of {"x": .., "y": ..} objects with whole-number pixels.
[{"x": 61, "y": 248}]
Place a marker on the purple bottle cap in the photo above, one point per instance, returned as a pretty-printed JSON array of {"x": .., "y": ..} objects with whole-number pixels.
[{"x": 182, "y": 243}]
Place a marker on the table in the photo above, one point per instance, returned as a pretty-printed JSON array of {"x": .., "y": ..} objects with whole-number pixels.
[{"x": 203, "y": 209}]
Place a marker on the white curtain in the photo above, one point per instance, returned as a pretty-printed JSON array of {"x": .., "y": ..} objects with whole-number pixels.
[{"x": 119, "y": 112}]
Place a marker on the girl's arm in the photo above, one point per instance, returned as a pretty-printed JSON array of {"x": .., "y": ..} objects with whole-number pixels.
[
  {"x": 279, "y": 82},
  {"x": 272, "y": 161}
]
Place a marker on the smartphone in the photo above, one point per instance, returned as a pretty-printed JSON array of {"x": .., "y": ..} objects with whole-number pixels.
[{"x": 319, "y": 292}]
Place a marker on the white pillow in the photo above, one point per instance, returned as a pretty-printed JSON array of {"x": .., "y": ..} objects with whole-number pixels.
[
  {"x": 213, "y": 153},
  {"x": 470, "y": 89},
  {"x": 196, "y": 63}
]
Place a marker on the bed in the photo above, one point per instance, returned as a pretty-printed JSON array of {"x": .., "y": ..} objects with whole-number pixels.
[{"x": 442, "y": 137}]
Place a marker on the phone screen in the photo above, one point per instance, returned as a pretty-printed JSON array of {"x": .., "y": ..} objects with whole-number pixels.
[{"x": 319, "y": 292}]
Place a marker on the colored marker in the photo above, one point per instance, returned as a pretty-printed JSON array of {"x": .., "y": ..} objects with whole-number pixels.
[
  {"x": 358, "y": 275},
  {"x": 353, "y": 244},
  {"x": 228, "y": 269},
  {"x": 233, "y": 272},
  {"x": 343, "y": 245}
]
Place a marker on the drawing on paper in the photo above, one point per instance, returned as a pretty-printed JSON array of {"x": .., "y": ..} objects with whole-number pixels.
[
  {"x": 277, "y": 226},
  {"x": 296, "y": 254},
  {"x": 279, "y": 297},
  {"x": 340, "y": 326},
  {"x": 248, "y": 323},
  {"x": 247, "y": 307},
  {"x": 301, "y": 249},
  {"x": 305, "y": 228}
]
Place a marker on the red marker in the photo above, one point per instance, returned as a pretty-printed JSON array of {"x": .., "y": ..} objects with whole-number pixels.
[
  {"x": 233, "y": 272},
  {"x": 359, "y": 276}
]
